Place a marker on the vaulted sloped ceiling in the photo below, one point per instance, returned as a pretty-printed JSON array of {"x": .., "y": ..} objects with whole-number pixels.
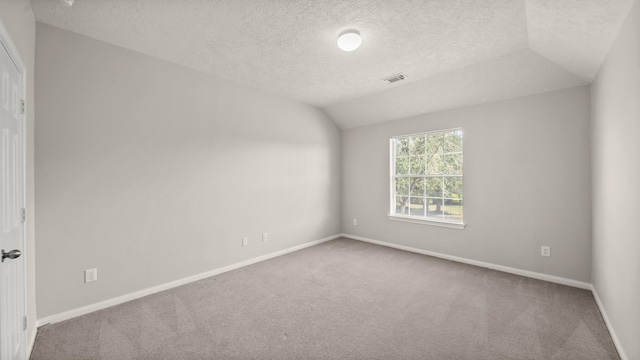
[{"x": 454, "y": 52}]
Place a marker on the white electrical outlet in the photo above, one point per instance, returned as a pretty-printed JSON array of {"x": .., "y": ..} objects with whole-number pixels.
[
  {"x": 245, "y": 241},
  {"x": 545, "y": 251},
  {"x": 355, "y": 222},
  {"x": 90, "y": 275},
  {"x": 265, "y": 237}
]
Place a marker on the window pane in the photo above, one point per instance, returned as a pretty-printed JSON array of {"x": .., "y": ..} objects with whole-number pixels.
[
  {"x": 435, "y": 143},
  {"x": 434, "y": 186},
  {"x": 417, "y": 206},
  {"x": 417, "y": 187},
  {"x": 417, "y": 165},
  {"x": 402, "y": 186},
  {"x": 453, "y": 187},
  {"x": 427, "y": 175},
  {"x": 453, "y": 209},
  {"x": 402, "y": 147},
  {"x": 402, "y": 165},
  {"x": 402, "y": 205},
  {"x": 434, "y": 207},
  {"x": 453, "y": 164},
  {"x": 453, "y": 141},
  {"x": 434, "y": 165},
  {"x": 417, "y": 145}
]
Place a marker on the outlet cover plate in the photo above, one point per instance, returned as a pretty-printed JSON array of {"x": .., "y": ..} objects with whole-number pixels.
[
  {"x": 545, "y": 251},
  {"x": 90, "y": 275}
]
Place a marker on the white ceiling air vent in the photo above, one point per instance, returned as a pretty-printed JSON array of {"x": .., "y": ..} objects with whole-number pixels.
[{"x": 395, "y": 78}]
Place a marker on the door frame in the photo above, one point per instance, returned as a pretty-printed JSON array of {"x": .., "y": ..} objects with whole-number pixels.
[{"x": 7, "y": 42}]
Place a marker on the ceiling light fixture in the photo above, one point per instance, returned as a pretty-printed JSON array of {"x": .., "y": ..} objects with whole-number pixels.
[
  {"x": 349, "y": 40},
  {"x": 69, "y": 2}
]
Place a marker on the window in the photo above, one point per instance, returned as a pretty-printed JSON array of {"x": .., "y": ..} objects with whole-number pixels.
[{"x": 426, "y": 178}]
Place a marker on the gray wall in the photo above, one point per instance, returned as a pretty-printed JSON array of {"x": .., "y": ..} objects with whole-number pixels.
[
  {"x": 527, "y": 183},
  {"x": 18, "y": 18},
  {"x": 152, "y": 172},
  {"x": 616, "y": 174}
]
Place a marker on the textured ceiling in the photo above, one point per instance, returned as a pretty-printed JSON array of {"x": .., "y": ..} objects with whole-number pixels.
[{"x": 454, "y": 52}]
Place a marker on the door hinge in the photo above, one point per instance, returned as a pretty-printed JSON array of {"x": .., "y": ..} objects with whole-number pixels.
[
  {"x": 22, "y": 105},
  {"x": 24, "y": 215},
  {"x": 24, "y": 323}
]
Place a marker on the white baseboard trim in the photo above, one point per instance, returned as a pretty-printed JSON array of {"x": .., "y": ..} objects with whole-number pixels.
[
  {"x": 612, "y": 332},
  {"x": 152, "y": 290},
  {"x": 531, "y": 274},
  {"x": 507, "y": 269}
]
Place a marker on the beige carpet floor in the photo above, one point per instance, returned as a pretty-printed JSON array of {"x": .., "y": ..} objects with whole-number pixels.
[{"x": 343, "y": 299}]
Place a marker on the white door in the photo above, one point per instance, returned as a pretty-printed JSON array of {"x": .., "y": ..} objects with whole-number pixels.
[{"x": 12, "y": 228}]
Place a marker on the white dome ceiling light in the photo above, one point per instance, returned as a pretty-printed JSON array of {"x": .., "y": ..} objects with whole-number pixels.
[{"x": 349, "y": 40}]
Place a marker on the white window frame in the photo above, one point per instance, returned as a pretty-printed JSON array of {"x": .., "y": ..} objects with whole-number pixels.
[{"x": 448, "y": 223}]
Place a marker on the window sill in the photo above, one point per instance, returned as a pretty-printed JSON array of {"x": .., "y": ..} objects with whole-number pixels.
[{"x": 414, "y": 220}]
